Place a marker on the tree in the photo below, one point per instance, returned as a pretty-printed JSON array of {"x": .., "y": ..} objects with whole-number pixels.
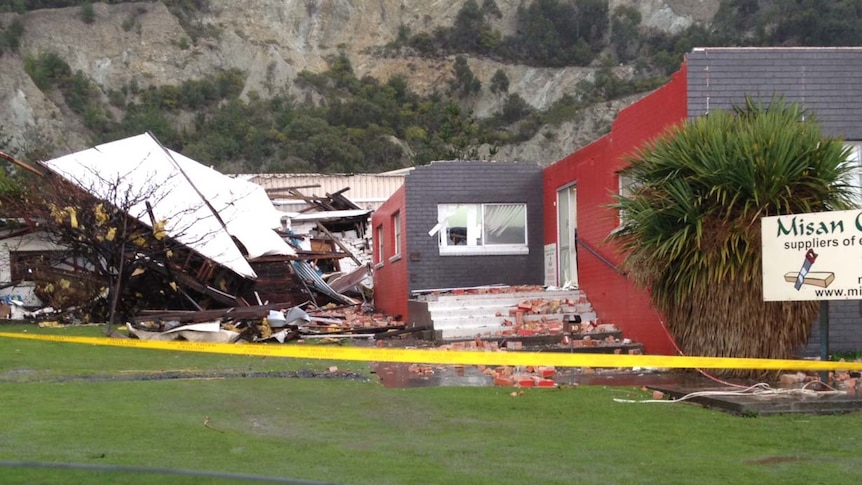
[
  {"x": 10, "y": 37},
  {"x": 468, "y": 23},
  {"x": 514, "y": 109},
  {"x": 499, "y": 82},
  {"x": 88, "y": 14},
  {"x": 17, "y": 6},
  {"x": 120, "y": 236},
  {"x": 490, "y": 8},
  {"x": 692, "y": 223},
  {"x": 591, "y": 19},
  {"x": 625, "y": 36},
  {"x": 464, "y": 82}
]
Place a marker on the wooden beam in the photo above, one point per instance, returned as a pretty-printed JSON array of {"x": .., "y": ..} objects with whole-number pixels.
[
  {"x": 19, "y": 163},
  {"x": 339, "y": 243},
  {"x": 236, "y": 313},
  {"x": 288, "y": 189}
]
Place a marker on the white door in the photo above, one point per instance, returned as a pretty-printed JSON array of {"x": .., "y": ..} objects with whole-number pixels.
[{"x": 567, "y": 229}]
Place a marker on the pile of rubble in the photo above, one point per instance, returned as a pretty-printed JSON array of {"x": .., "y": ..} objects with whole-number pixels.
[
  {"x": 178, "y": 249},
  {"x": 265, "y": 323},
  {"x": 839, "y": 379},
  {"x": 563, "y": 318}
]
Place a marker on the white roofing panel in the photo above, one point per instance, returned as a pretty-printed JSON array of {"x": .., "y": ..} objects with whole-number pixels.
[
  {"x": 243, "y": 206},
  {"x": 140, "y": 167}
]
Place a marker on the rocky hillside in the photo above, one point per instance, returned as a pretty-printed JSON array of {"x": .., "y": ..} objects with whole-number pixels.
[{"x": 272, "y": 41}]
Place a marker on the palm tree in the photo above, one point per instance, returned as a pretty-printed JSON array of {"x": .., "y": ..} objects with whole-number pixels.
[{"x": 692, "y": 223}]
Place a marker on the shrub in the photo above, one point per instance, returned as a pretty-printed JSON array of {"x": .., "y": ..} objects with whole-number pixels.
[
  {"x": 88, "y": 14},
  {"x": 499, "y": 82},
  {"x": 46, "y": 70}
]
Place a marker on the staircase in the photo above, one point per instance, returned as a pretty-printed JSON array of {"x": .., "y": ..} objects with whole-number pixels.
[{"x": 535, "y": 319}]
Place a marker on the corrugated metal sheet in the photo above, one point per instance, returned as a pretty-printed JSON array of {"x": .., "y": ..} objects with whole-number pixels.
[
  {"x": 366, "y": 190},
  {"x": 305, "y": 271}
]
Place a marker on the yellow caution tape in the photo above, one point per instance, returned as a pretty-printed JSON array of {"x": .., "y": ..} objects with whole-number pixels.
[{"x": 376, "y": 354}]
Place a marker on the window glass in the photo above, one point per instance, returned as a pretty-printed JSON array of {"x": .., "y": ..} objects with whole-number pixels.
[
  {"x": 626, "y": 188},
  {"x": 481, "y": 228},
  {"x": 504, "y": 224},
  {"x": 380, "y": 251},
  {"x": 856, "y": 174},
  {"x": 459, "y": 224},
  {"x": 396, "y": 233}
]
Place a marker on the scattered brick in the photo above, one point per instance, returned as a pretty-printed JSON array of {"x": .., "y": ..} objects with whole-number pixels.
[
  {"x": 503, "y": 381},
  {"x": 524, "y": 380},
  {"x": 514, "y": 345},
  {"x": 545, "y": 383},
  {"x": 547, "y": 371}
]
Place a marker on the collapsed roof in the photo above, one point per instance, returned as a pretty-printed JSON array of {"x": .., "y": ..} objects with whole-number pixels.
[{"x": 203, "y": 209}]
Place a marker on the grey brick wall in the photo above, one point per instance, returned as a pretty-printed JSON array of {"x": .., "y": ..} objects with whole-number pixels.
[
  {"x": 824, "y": 80},
  {"x": 471, "y": 182},
  {"x": 845, "y": 329}
]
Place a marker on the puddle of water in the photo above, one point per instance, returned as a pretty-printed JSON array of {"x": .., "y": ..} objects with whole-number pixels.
[
  {"x": 408, "y": 375},
  {"x": 398, "y": 375}
]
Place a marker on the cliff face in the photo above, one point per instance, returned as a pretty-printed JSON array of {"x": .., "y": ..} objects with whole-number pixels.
[{"x": 274, "y": 40}]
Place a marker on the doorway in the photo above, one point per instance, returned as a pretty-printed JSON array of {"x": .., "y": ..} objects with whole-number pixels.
[{"x": 567, "y": 230}]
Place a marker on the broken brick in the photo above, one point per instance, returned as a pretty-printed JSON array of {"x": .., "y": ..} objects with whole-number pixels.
[
  {"x": 503, "y": 381},
  {"x": 545, "y": 383}
]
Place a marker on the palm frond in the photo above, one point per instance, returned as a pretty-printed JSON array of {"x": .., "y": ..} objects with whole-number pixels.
[{"x": 692, "y": 228}]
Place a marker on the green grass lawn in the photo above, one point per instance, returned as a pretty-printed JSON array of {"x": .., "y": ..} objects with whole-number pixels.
[{"x": 358, "y": 432}]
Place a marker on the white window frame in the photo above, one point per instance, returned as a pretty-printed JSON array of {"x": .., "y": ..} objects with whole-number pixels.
[
  {"x": 381, "y": 253},
  {"x": 396, "y": 236},
  {"x": 625, "y": 189},
  {"x": 475, "y": 243}
]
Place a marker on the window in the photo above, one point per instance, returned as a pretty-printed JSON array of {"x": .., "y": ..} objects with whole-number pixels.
[
  {"x": 381, "y": 254},
  {"x": 625, "y": 189},
  {"x": 481, "y": 229},
  {"x": 396, "y": 235},
  {"x": 855, "y": 182}
]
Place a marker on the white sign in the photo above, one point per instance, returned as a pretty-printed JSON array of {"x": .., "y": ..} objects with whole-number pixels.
[
  {"x": 550, "y": 264},
  {"x": 816, "y": 256}
]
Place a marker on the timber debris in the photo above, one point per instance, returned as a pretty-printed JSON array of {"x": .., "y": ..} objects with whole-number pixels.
[{"x": 136, "y": 233}]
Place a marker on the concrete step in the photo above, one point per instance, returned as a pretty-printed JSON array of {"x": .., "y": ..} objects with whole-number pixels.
[
  {"x": 457, "y": 316},
  {"x": 480, "y": 321},
  {"x": 575, "y": 295},
  {"x": 485, "y": 314},
  {"x": 447, "y": 315},
  {"x": 502, "y": 309},
  {"x": 463, "y": 333},
  {"x": 544, "y": 340}
]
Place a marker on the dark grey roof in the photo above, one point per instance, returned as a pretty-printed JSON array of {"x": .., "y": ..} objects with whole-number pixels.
[{"x": 826, "y": 80}]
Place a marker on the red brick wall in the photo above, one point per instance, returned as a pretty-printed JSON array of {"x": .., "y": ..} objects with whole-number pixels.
[
  {"x": 390, "y": 277},
  {"x": 593, "y": 169}
]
